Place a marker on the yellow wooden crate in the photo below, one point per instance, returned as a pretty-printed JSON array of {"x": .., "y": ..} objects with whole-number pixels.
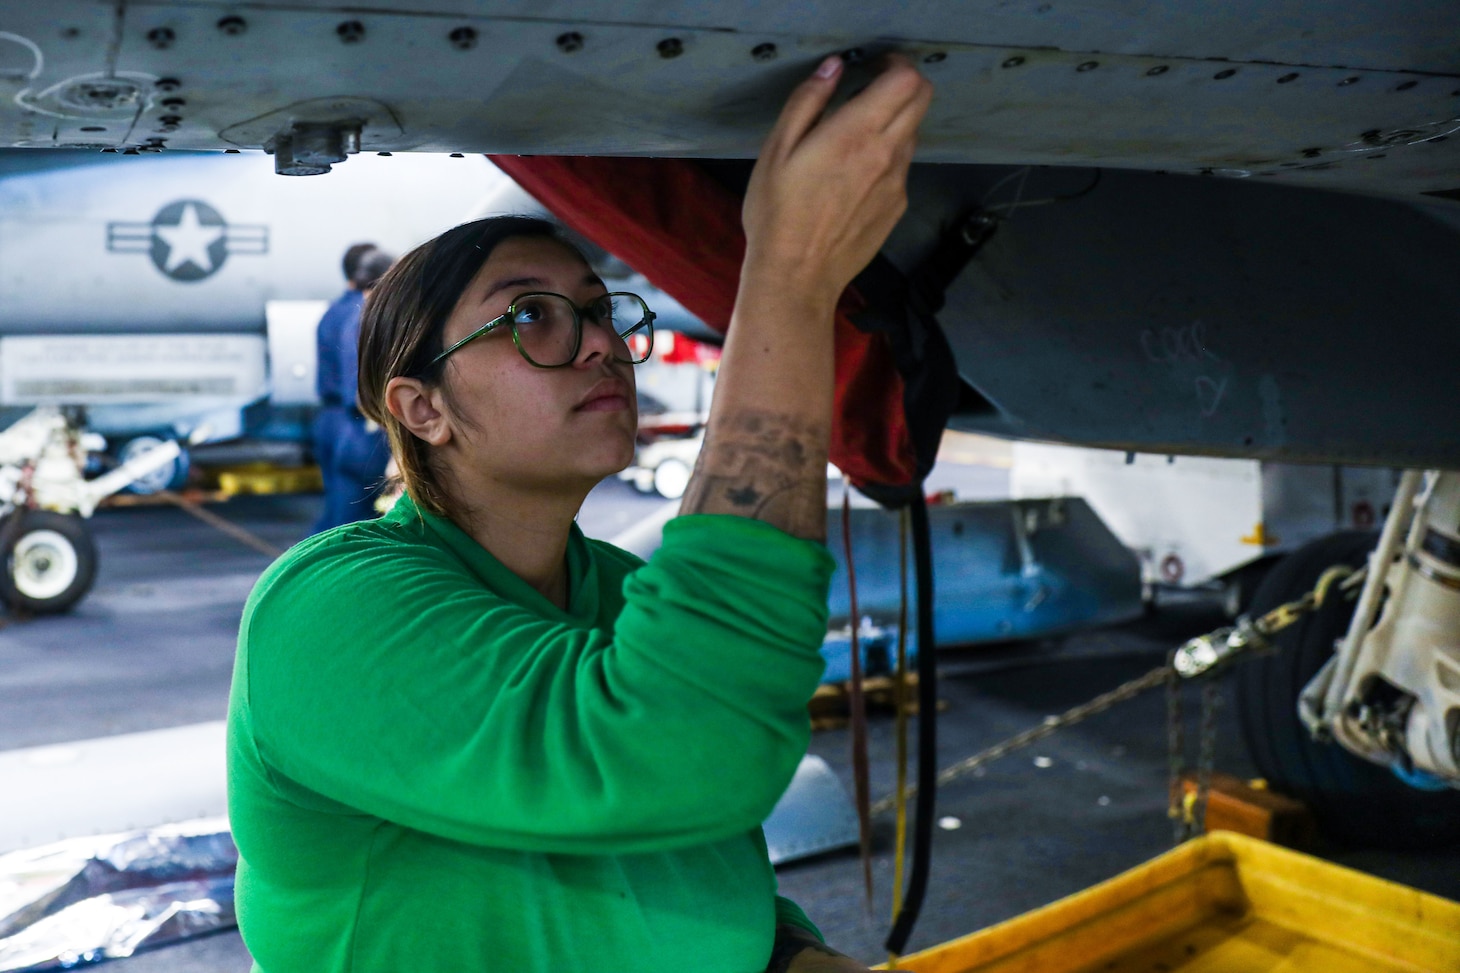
[{"x": 1224, "y": 903}]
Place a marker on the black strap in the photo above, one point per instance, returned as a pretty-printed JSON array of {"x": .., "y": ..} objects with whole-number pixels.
[{"x": 917, "y": 885}]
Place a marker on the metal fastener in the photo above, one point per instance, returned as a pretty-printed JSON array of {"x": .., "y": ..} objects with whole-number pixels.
[
  {"x": 232, "y": 25},
  {"x": 351, "y": 32},
  {"x": 670, "y": 47},
  {"x": 935, "y": 58},
  {"x": 1088, "y": 66},
  {"x": 167, "y": 84},
  {"x": 463, "y": 38},
  {"x": 1013, "y": 62},
  {"x": 161, "y": 37},
  {"x": 763, "y": 52},
  {"x": 570, "y": 42},
  {"x": 1157, "y": 70},
  {"x": 1224, "y": 74}
]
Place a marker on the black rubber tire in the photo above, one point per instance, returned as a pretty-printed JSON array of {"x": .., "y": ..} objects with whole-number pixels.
[
  {"x": 1240, "y": 586},
  {"x": 14, "y": 529},
  {"x": 171, "y": 477},
  {"x": 1356, "y": 802}
]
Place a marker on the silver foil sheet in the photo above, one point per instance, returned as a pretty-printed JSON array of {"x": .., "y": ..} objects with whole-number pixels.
[{"x": 92, "y": 899}]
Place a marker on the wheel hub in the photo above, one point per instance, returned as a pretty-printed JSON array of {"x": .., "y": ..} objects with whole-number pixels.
[{"x": 44, "y": 565}]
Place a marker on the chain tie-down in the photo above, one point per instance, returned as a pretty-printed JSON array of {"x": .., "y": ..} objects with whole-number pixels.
[{"x": 1197, "y": 658}]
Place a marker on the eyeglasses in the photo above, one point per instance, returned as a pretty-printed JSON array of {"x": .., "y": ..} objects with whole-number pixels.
[{"x": 548, "y": 328}]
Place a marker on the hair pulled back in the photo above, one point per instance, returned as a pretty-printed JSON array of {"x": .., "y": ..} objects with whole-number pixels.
[{"x": 402, "y": 328}]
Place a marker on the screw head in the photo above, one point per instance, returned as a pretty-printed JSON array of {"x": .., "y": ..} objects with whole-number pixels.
[
  {"x": 1013, "y": 62},
  {"x": 232, "y": 25},
  {"x": 1088, "y": 66},
  {"x": 351, "y": 32},
  {"x": 1224, "y": 74},
  {"x": 854, "y": 55},
  {"x": 1353, "y": 79},
  {"x": 170, "y": 120},
  {"x": 463, "y": 38},
  {"x": 1312, "y": 153},
  {"x": 174, "y": 102},
  {"x": 1158, "y": 70},
  {"x": 570, "y": 42},
  {"x": 937, "y": 57},
  {"x": 763, "y": 52},
  {"x": 161, "y": 37},
  {"x": 1287, "y": 78},
  {"x": 1406, "y": 86},
  {"x": 670, "y": 47},
  {"x": 167, "y": 84}
]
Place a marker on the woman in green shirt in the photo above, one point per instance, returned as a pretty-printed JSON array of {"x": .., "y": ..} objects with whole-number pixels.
[{"x": 463, "y": 737}]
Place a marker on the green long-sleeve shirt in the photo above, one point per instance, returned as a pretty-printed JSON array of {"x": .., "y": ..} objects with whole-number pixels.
[{"x": 432, "y": 767}]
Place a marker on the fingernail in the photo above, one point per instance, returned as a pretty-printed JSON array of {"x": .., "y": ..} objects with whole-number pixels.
[{"x": 830, "y": 67}]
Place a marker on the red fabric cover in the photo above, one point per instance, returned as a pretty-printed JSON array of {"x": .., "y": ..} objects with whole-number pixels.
[{"x": 668, "y": 219}]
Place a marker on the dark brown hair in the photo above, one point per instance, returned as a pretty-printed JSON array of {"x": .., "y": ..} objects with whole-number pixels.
[{"x": 402, "y": 328}]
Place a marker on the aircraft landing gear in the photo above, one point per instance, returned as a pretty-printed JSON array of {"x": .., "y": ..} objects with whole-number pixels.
[
  {"x": 49, "y": 561},
  {"x": 1356, "y": 802}
]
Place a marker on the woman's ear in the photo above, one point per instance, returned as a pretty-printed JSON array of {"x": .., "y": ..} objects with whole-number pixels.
[{"x": 420, "y": 408}]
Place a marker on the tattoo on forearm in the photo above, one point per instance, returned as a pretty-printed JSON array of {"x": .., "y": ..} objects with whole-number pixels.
[
  {"x": 789, "y": 944},
  {"x": 765, "y": 466}
]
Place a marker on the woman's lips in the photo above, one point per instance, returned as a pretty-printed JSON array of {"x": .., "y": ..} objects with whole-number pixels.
[
  {"x": 606, "y": 395},
  {"x": 605, "y": 403}
]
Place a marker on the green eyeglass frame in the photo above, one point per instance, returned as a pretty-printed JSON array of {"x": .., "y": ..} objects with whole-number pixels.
[{"x": 644, "y": 326}]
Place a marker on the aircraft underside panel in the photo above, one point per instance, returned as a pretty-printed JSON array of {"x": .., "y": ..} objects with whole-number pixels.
[
  {"x": 1361, "y": 96},
  {"x": 1186, "y": 315}
]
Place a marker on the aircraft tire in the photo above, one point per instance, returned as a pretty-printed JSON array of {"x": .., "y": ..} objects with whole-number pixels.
[
  {"x": 171, "y": 477},
  {"x": 671, "y": 477},
  {"x": 1356, "y": 803},
  {"x": 48, "y": 560}
]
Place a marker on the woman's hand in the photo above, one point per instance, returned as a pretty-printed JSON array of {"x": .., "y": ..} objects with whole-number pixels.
[
  {"x": 828, "y": 188},
  {"x": 826, "y": 192},
  {"x": 797, "y": 951}
]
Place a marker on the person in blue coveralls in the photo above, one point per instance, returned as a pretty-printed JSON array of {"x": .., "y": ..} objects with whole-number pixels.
[{"x": 351, "y": 453}]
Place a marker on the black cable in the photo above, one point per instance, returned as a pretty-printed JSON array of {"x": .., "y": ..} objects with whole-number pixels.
[
  {"x": 1084, "y": 192},
  {"x": 917, "y": 884}
]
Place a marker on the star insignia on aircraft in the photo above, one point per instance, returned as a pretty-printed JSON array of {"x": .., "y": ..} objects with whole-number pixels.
[{"x": 188, "y": 240}]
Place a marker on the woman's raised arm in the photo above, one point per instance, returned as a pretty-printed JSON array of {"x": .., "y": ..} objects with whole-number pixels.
[{"x": 827, "y": 190}]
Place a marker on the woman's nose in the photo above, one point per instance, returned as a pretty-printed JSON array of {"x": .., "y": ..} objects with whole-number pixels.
[{"x": 597, "y": 341}]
